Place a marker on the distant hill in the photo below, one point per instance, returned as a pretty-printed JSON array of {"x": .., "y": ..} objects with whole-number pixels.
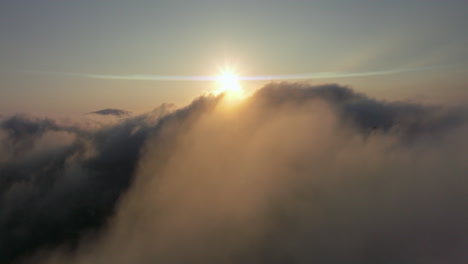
[{"x": 111, "y": 112}]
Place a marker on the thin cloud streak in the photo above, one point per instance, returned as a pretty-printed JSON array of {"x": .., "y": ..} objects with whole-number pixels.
[{"x": 304, "y": 76}]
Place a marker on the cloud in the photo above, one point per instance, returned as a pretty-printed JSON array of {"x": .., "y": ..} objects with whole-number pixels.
[
  {"x": 295, "y": 174},
  {"x": 112, "y": 112},
  {"x": 53, "y": 189}
]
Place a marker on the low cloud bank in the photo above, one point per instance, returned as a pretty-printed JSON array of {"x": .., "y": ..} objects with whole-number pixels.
[{"x": 292, "y": 174}]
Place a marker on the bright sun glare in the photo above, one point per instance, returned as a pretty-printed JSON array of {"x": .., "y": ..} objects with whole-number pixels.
[{"x": 229, "y": 84}]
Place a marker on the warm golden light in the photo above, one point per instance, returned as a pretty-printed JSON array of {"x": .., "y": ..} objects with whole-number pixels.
[{"x": 229, "y": 84}]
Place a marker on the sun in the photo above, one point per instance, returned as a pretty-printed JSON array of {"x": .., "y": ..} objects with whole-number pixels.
[
  {"x": 229, "y": 85},
  {"x": 228, "y": 80}
]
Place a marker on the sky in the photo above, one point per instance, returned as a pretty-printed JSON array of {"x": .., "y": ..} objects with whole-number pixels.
[{"x": 201, "y": 37}]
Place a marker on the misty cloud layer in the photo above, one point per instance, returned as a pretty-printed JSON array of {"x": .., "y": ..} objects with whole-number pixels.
[{"x": 292, "y": 174}]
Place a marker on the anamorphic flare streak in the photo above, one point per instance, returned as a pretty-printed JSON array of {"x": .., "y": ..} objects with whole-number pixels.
[
  {"x": 132, "y": 77},
  {"x": 305, "y": 76}
]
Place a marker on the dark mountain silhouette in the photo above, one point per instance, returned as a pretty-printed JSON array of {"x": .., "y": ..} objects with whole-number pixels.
[{"x": 112, "y": 112}]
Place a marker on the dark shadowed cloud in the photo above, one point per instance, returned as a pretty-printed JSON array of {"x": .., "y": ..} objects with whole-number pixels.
[{"x": 293, "y": 174}]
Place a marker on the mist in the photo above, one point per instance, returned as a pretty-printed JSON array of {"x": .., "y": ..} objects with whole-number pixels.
[{"x": 294, "y": 173}]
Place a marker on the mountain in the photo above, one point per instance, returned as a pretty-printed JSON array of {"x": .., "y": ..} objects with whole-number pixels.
[{"x": 112, "y": 112}]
